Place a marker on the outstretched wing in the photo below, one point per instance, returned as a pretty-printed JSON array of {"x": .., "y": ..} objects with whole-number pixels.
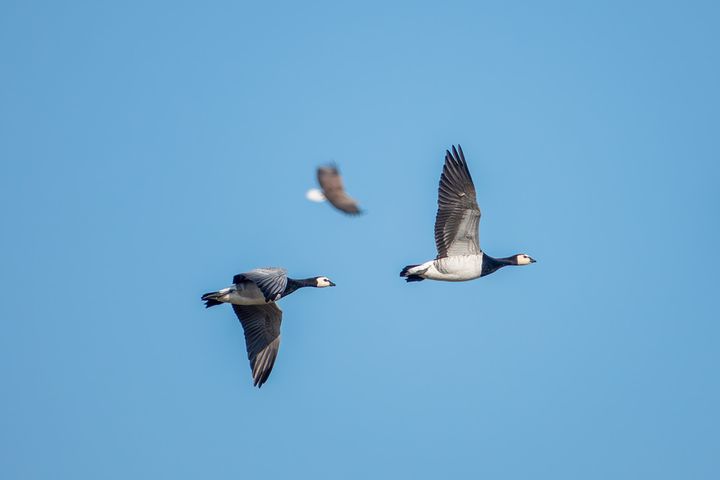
[
  {"x": 271, "y": 281},
  {"x": 261, "y": 324},
  {"x": 458, "y": 215},
  {"x": 332, "y": 187}
]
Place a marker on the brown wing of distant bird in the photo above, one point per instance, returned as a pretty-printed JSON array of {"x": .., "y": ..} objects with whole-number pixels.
[{"x": 332, "y": 187}]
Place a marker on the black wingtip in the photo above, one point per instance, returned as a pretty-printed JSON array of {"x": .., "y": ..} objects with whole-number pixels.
[
  {"x": 352, "y": 213},
  {"x": 457, "y": 154},
  {"x": 331, "y": 165},
  {"x": 262, "y": 378},
  {"x": 453, "y": 156}
]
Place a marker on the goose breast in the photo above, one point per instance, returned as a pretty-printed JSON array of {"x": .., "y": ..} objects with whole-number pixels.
[{"x": 455, "y": 269}]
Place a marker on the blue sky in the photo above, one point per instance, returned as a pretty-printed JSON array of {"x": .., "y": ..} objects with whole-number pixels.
[{"x": 151, "y": 150}]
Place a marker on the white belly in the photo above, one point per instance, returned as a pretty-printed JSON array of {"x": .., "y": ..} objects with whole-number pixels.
[
  {"x": 246, "y": 293},
  {"x": 455, "y": 269}
]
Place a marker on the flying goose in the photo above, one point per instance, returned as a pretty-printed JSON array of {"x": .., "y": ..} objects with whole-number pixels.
[
  {"x": 456, "y": 231},
  {"x": 253, "y": 295},
  {"x": 333, "y": 191}
]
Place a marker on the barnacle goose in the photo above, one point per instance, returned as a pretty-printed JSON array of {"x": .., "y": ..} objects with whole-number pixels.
[
  {"x": 456, "y": 231},
  {"x": 253, "y": 295}
]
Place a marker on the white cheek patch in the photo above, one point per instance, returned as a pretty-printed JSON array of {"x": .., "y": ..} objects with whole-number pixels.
[{"x": 523, "y": 260}]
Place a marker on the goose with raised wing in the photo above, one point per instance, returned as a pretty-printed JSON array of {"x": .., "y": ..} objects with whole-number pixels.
[
  {"x": 333, "y": 191},
  {"x": 457, "y": 231},
  {"x": 253, "y": 295}
]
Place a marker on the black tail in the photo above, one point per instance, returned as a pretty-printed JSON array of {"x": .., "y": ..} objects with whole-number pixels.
[
  {"x": 414, "y": 278},
  {"x": 409, "y": 277},
  {"x": 209, "y": 299}
]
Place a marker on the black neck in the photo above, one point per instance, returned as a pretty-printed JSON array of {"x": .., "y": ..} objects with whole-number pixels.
[
  {"x": 490, "y": 264},
  {"x": 294, "y": 284}
]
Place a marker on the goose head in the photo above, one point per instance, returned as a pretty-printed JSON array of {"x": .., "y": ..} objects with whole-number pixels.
[
  {"x": 523, "y": 259},
  {"x": 321, "y": 282}
]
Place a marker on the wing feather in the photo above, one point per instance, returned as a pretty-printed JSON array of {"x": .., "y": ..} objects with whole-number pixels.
[
  {"x": 332, "y": 186},
  {"x": 261, "y": 324},
  {"x": 271, "y": 281},
  {"x": 458, "y": 216}
]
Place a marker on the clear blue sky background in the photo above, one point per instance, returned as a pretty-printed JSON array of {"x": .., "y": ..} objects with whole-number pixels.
[{"x": 151, "y": 150}]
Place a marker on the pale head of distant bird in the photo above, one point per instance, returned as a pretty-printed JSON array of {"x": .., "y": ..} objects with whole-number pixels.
[
  {"x": 522, "y": 259},
  {"x": 315, "y": 195},
  {"x": 321, "y": 282}
]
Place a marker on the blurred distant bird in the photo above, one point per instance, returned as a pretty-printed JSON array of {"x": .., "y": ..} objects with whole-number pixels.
[
  {"x": 253, "y": 295},
  {"x": 333, "y": 191},
  {"x": 456, "y": 231}
]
